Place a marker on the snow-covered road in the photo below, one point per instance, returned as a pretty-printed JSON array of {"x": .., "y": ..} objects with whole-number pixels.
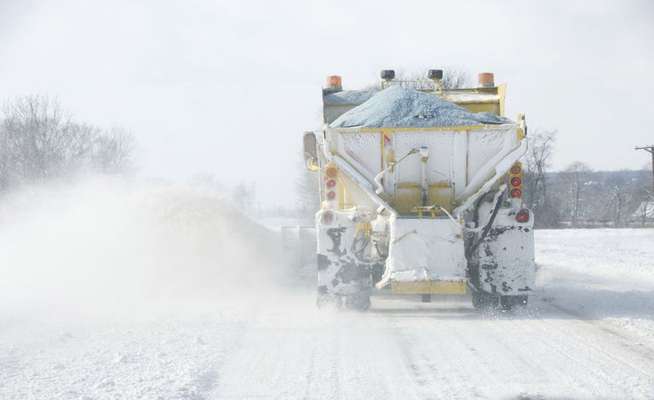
[{"x": 588, "y": 333}]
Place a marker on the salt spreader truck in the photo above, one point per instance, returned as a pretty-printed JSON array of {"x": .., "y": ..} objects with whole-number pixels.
[{"x": 421, "y": 193}]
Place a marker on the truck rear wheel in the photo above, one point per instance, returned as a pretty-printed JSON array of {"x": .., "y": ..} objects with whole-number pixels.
[
  {"x": 484, "y": 301},
  {"x": 358, "y": 301},
  {"x": 323, "y": 300},
  {"x": 508, "y": 302}
]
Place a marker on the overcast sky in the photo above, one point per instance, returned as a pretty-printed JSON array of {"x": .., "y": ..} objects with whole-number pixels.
[{"x": 227, "y": 87}]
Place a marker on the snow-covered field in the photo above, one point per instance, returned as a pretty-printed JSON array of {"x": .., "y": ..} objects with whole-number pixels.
[{"x": 588, "y": 333}]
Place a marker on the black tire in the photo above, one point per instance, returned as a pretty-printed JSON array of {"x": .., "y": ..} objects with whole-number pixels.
[
  {"x": 358, "y": 301},
  {"x": 509, "y": 302},
  {"x": 327, "y": 300},
  {"x": 506, "y": 303},
  {"x": 484, "y": 301}
]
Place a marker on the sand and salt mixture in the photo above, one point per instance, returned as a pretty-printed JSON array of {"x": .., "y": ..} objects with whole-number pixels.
[{"x": 397, "y": 107}]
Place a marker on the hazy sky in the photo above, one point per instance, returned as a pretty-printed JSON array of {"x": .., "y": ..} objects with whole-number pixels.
[{"x": 227, "y": 87}]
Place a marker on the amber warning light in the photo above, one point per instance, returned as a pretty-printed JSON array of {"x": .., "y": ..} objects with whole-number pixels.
[{"x": 334, "y": 82}]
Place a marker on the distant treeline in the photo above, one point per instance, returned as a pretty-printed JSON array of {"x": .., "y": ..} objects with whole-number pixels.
[
  {"x": 579, "y": 197},
  {"x": 39, "y": 141}
]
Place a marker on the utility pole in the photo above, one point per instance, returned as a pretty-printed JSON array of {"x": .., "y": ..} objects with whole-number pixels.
[{"x": 649, "y": 149}]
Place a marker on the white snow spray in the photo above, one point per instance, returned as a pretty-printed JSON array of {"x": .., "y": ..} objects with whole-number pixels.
[{"x": 110, "y": 242}]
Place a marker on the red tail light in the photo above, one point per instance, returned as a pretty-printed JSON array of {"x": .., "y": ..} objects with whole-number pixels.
[
  {"x": 516, "y": 181},
  {"x": 522, "y": 216},
  {"x": 331, "y": 175}
]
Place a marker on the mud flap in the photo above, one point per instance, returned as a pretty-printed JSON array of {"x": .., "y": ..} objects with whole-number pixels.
[
  {"x": 342, "y": 267},
  {"x": 506, "y": 264}
]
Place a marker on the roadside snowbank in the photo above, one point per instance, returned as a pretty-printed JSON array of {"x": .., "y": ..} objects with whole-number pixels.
[
  {"x": 114, "y": 242},
  {"x": 600, "y": 274}
]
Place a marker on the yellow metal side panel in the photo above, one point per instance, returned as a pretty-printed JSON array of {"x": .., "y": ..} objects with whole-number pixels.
[
  {"x": 390, "y": 131},
  {"x": 482, "y": 107},
  {"x": 429, "y": 287},
  {"x": 501, "y": 91},
  {"x": 441, "y": 196},
  {"x": 342, "y": 192},
  {"x": 407, "y": 196},
  {"x": 406, "y": 199},
  {"x": 351, "y": 195},
  {"x": 520, "y": 133}
]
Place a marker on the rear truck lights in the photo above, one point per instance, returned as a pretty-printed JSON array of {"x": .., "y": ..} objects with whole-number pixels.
[
  {"x": 522, "y": 216},
  {"x": 515, "y": 179},
  {"x": 334, "y": 83},
  {"x": 516, "y": 182},
  {"x": 330, "y": 183},
  {"x": 331, "y": 171},
  {"x": 486, "y": 80}
]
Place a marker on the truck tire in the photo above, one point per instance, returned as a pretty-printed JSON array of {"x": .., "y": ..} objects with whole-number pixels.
[
  {"x": 323, "y": 301},
  {"x": 358, "y": 301},
  {"x": 508, "y": 302},
  {"x": 484, "y": 301}
]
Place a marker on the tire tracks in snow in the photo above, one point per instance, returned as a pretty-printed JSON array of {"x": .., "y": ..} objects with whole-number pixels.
[
  {"x": 466, "y": 354},
  {"x": 610, "y": 329},
  {"x": 435, "y": 373}
]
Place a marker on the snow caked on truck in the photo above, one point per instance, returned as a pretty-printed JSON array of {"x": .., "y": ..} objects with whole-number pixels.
[{"x": 421, "y": 193}]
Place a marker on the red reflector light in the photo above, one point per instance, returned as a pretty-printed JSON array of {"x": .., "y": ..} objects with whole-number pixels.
[
  {"x": 327, "y": 217},
  {"x": 515, "y": 181},
  {"x": 522, "y": 216},
  {"x": 331, "y": 183},
  {"x": 515, "y": 170},
  {"x": 516, "y": 193},
  {"x": 331, "y": 195}
]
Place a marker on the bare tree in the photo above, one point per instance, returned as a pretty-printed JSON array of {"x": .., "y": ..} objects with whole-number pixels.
[
  {"x": 452, "y": 79},
  {"x": 537, "y": 163},
  {"x": 39, "y": 138},
  {"x": 39, "y": 141},
  {"x": 645, "y": 211},
  {"x": 576, "y": 176},
  {"x": 244, "y": 197},
  {"x": 537, "y": 160},
  {"x": 112, "y": 151}
]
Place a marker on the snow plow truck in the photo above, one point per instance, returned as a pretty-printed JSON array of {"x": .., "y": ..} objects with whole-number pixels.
[{"x": 421, "y": 193}]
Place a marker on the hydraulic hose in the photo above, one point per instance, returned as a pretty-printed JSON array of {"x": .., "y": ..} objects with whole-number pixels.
[{"x": 488, "y": 226}]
